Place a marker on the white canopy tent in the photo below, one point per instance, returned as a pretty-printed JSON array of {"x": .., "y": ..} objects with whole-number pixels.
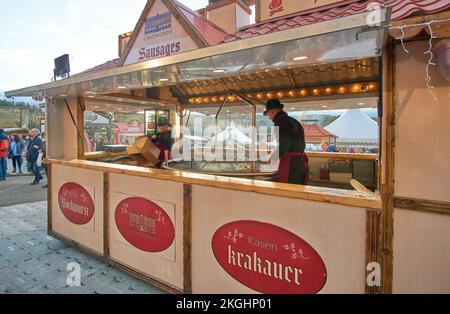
[
  {"x": 233, "y": 134},
  {"x": 355, "y": 127}
]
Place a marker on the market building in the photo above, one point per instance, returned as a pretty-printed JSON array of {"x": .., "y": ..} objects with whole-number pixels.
[{"x": 232, "y": 229}]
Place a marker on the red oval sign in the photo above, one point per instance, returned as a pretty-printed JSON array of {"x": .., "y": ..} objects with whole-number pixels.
[
  {"x": 268, "y": 258},
  {"x": 145, "y": 225},
  {"x": 76, "y": 203}
]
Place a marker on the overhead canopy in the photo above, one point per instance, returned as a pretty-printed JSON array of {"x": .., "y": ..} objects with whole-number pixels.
[{"x": 321, "y": 43}]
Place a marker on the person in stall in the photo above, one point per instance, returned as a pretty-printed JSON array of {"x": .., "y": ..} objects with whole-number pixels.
[
  {"x": 163, "y": 140},
  {"x": 325, "y": 147},
  {"x": 293, "y": 163}
]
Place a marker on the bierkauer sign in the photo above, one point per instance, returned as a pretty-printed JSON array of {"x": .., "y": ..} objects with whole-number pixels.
[
  {"x": 144, "y": 224},
  {"x": 268, "y": 258},
  {"x": 76, "y": 203}
]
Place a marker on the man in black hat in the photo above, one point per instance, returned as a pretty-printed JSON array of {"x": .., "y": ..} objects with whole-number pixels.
[
  {"x": 293, "y": 167},
  {"x": 163, "y": 140}
]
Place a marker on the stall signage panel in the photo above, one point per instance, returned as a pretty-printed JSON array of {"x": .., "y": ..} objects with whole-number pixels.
[
  {"x": 144, "y": 224},
  {"x": 161, "y": 35},
  {"x": 76, "y": 203},
  {"x": 275, "y": 8},
  {"x": 268, "y": 258}
]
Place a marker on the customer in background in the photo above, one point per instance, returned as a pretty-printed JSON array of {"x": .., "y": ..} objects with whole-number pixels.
[
  {"x": 4, "y": 147},
  {"x": 26, "y": 139},
  {"x": 16, "y": 149},
  {"x": 34, "y": 147},
  {"x": 44, "y": 158},
  {"x": 327, "y": 148}
]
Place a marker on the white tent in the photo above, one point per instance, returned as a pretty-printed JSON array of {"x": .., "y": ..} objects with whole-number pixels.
[
  {"x": 232, "y": 133},
  {"x": 354, "y": 126}
]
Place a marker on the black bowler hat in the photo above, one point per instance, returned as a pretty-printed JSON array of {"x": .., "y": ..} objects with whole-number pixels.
[
  {"x": 273, "y": 104},
  {"x": 163, "y": 121}
]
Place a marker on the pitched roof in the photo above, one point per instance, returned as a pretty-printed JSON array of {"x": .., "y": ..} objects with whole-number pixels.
[
  {"x": 112, "y": 64},
  {"x": 203, "y": 32},
  {"x": 400, "y": 10},
  {"x": 315, "y": 130},
  {"x": 210, "y": 34}
]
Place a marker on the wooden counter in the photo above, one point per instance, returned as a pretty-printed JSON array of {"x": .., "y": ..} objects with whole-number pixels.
[{"x": 327, "y": 195}]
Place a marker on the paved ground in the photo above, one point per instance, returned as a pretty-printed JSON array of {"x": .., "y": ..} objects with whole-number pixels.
[
  {"x": 17, "y": 189},
  {"x": 33, "y": 262}
]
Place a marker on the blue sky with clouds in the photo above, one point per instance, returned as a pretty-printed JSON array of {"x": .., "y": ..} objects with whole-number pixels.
[{"x": 34, "y": 33}]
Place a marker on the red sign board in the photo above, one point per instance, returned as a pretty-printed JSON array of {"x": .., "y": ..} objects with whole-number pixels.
[
  {"x": 145, "y": 225},
  {"x": 76, "y": 203},
  {"x": 268, "y": 258}
]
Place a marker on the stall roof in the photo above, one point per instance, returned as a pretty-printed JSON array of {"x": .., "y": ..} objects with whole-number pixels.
[
  {"x": 266, "y": 52},
  {"x": 213, "y": 35},
  {"x": 400, "y": 10}
]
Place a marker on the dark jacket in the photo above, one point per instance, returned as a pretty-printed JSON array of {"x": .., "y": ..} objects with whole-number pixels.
[
  {"x": 19, "y": 147},
  {"x": 33, "y": 153},
  {"x": 164, "y": 139},
  {"x": 291, "y": 139},
  {"x": 291, "y": 135}
]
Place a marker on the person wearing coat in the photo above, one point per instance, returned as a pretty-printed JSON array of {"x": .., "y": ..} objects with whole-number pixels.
[
  {"x": 163, "y": 140},
  {"x": 4, "y": 148},
  {"x": 34, "y": 147},
  {"x": 293, "y": 163},
  {"x": 16, "y": 149}
]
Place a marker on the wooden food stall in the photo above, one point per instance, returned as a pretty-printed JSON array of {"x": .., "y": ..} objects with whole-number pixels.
[{"x": 202, "y": 232}]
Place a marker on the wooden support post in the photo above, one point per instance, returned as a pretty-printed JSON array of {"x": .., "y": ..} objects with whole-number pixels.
[
  {"x": 187, "y": 238},
  {"x": 106, "y": 215},
  {"x": 387, "y": 189},
  {"x": 372, "y": 251},
  {"x": 49, "y": 197},
  {"x": 80, "y": 126}
]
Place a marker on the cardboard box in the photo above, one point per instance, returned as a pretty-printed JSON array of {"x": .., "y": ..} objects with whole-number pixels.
[{"x": 144, "y": 152}]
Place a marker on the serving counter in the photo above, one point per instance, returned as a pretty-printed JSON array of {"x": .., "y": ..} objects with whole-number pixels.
[{"x": 187, "y": 232}]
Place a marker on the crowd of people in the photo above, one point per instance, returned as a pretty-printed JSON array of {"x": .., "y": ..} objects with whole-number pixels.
[{"x": 27, "y": 149}]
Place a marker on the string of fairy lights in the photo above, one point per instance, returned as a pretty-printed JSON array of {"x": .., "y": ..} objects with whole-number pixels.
[
  {"x": 343, "y": 89},
  {"x": 333, "y": 90},
  {"x": 429, "y": 52}
]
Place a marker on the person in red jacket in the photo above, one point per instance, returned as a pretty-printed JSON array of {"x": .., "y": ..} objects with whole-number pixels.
[{"x": 4, "y": 147}]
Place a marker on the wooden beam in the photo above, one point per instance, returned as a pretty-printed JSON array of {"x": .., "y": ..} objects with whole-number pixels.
[
  {"x": 49, "y": 197},
  {"x": 187, "y": 238},
  {"x": 387, "y": 189},
  {"x": 372, "y": 250},
  {"x": 106, "y": 234},
  {"x": 427, "y": 206},
  {"x": 80, "y": 127},
  {"x": 440, "y": 30}
]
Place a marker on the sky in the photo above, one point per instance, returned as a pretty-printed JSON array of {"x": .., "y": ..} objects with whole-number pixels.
[{"x": 34, "y": 33}]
